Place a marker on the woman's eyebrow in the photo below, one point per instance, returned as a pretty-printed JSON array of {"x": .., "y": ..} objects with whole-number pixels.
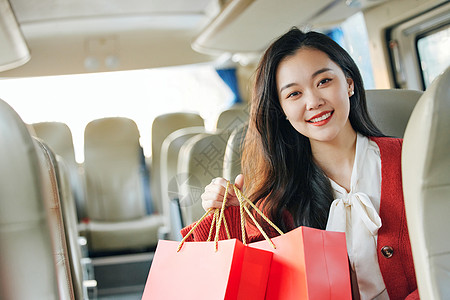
[
  {"x": 320, "y": 71},
  {"x": 287, "y": 86}
]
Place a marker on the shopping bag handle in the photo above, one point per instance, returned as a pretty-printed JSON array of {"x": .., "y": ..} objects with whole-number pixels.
[
  {"x": 218, "y": 218},
  {"x": 215, "y": 221},
  {"x": 243, "y": 207}
]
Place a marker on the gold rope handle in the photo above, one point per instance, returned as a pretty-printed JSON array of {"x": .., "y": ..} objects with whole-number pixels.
[
  {"x": 217, "y": 219},
  {"x": 259, "y": 227},
  {"x": 219, "y": 223},
  {"x": 242, "y": 206},
  {"x": 242, "y": 198},
  {"x": 241, "y": 212},
  {"x": 213, "y": 222},
  {"x": 226, "y": 228},
  {"x": 193, "y": 228}
]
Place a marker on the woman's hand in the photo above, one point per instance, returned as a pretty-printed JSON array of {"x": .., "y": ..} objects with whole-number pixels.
[{"x": 212, "y": 197}]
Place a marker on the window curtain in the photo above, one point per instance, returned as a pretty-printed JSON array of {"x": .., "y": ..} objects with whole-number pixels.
[{"x": 228, "y": 75}]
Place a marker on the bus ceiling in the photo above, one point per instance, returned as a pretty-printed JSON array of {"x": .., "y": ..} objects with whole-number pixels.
[
  {"x": 81, "y": 36},
  {"x": 118, "y": 35}
]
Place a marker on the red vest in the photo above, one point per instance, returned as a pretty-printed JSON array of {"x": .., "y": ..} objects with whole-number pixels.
[{"x": 393, "y": 247}]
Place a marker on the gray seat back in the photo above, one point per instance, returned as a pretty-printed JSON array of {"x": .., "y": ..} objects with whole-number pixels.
[
  {"x": 112, "y": 170},
  {"x": 232, "y": 117},
  {"x": 390, "y": 109},
  {"x": 170, "y": 177},
  {"x": 162, "y": 126},
  {"x": 116, "y": 202},
  {"x": 59, "y": 137},
  {"x": 56, "y": 220},
  {"x": 233, "y": 153},
  {"x": 200, "y": 160},
  {"x": 69, "y": 214}
]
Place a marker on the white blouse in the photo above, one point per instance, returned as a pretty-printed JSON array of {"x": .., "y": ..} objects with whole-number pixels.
[{"x": 356, "y": 214}]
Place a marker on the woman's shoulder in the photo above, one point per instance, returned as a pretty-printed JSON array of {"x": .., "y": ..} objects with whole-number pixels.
[
  {"x": 388, "y": 143},
  {"x": 386, "y": 139}
]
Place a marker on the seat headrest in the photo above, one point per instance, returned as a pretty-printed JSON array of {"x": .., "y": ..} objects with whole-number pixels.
[{"x": 58, "y": 136}]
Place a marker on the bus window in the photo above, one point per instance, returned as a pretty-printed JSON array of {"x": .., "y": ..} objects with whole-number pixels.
[
  {"x": 419, "y": 47},
  {"x": 352, "y": 36},
  {"x": 357, "y": 40},
  {"x": 433, "y": 54},
  {"x": 137, "y": 94}
]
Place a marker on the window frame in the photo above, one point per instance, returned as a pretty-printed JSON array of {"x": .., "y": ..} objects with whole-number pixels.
[
  {"x": 424, "y": 35},
  {"x": 401, "y": 43}
]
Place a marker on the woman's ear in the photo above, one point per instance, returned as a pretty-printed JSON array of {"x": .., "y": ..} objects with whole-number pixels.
[{"x": 350, "y": 87}]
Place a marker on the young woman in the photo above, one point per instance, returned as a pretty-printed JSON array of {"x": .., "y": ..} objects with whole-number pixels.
[{"x": 313, "y": 157}]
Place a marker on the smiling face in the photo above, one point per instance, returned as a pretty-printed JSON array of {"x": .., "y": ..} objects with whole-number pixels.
[{"x": 314, "y": 94}]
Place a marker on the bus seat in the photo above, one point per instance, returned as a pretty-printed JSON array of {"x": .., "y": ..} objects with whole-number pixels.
[
  {"x": 57, "y": 221},
  {"x": 426, "y": 187},
  {"x": 115, "y": 203},
  {"x": 169, "y": 178},
  {"x": 233, "y": 153},
  {"x": 33, "y": 257},
  {"x": 200, "y": 160},
  {"x": 162, "y": 126},
  {"x": 390, "y": 109},
  {"x": 68, "y": 208},
  {"x": 232, "y": 117},
  {"x": 58, "y": 136}
]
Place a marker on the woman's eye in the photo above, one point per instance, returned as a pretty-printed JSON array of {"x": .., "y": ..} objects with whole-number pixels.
[
  {"x": 294, "y": 94},
  {"x": 324, "y": 81}
]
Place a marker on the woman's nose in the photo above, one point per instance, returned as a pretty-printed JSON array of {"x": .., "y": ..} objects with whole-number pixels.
[{"x": 314, "y": 101}]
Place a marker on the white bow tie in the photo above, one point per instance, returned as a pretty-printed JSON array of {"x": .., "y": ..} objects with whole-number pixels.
[
  {"x": 356, "y": 205},
  {"x": 356, "y": 216}
]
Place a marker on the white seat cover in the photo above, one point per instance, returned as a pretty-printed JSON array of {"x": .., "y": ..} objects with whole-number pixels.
[
  {"x": 426, "y": 186},
  {"x": 30, "y": 265}
]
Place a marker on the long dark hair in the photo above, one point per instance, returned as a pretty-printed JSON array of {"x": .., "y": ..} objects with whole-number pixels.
[{"x": 277, "y": 162}]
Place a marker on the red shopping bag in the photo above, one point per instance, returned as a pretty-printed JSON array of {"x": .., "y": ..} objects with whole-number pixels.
[
  {"x": 308, "y": 264},
  {"x": 208, "y": 270},
  {"x": 235, "y": 271}
]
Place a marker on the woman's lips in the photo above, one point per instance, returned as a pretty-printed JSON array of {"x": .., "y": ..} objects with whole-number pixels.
[{"x": 321, "y": 119}]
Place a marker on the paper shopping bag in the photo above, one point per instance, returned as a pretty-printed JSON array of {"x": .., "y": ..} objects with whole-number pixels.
[
  {"x": 197, "y": 271},
  {"x": 308, "y": 264}
]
